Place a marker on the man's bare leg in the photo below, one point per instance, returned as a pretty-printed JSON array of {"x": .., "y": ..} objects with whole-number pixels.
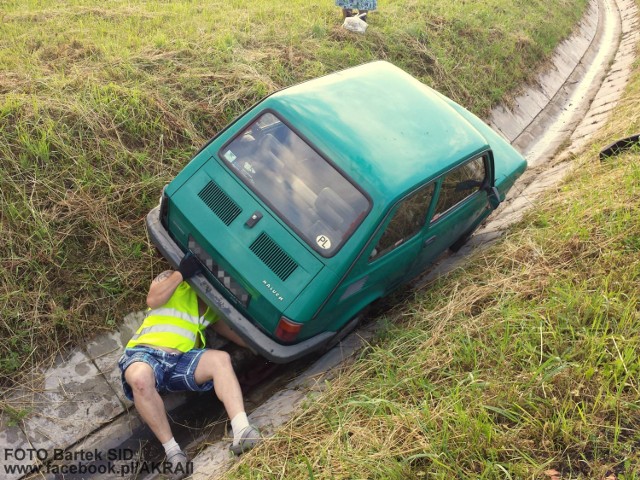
[
  {"x": 216, "y": 365},
  {"x": 140, "y": 377}
]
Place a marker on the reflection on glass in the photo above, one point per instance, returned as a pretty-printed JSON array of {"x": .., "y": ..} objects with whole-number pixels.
[{"x": 305, "y": 190}]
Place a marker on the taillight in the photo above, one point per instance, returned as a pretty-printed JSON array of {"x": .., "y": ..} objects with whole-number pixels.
[{"x": 287, "y": 330}]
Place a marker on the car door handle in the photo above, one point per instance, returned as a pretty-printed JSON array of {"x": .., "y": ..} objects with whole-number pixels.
[{"x": 429, "y": 241}]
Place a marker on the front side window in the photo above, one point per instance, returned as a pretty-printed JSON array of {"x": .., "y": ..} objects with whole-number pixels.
[
  {"x": 406, "y": 222},
  {"x": 302, "y": 187},
  {"x": 458, "y": 184}
]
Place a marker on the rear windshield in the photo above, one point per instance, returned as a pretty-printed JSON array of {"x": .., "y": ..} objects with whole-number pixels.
[{"x": 305, "y": 190}]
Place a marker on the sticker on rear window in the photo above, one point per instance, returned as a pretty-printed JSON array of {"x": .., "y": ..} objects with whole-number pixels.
[
  {"x": 323, "y": 242},
  {"x": 230, "y": 156}
]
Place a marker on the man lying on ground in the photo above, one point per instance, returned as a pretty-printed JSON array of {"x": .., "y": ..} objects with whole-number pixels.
[{"x": 167, "y": 354}]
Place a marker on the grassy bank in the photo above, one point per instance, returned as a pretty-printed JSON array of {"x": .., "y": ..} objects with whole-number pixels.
[
  {"x": 101, "y": 104},
  {"x": 522, "y": 364}
]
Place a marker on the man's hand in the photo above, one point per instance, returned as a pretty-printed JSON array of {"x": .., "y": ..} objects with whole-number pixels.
[{"x": 189, "y": 266}]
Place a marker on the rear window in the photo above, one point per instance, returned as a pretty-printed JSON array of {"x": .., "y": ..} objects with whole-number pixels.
[{"x": 303, "y": 188}]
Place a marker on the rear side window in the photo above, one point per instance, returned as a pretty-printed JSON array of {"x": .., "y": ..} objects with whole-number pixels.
[
  {"x": 460, "y": 184},
  {"x": 406, "y": 222},
  {"x": 306, "y": 191}
]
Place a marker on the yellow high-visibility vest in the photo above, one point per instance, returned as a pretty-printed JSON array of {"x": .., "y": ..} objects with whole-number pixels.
[{"x": 176, "y": 324}]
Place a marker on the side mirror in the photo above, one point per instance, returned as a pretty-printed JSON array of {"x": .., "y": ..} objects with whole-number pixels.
[{"x": 493, "y": 195}]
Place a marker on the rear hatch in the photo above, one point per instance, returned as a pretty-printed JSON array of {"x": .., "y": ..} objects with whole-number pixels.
[{"x": 252, "y": 258}]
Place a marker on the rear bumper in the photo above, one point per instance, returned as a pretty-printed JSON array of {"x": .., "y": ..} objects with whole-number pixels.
[{"x": 255, "y": 338}]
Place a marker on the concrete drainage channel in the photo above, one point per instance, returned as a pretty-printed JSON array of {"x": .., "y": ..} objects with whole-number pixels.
[{"x": 78, "y": 418}]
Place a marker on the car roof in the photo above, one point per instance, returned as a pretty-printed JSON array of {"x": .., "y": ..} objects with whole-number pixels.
[{"x": 384, "y": 128}]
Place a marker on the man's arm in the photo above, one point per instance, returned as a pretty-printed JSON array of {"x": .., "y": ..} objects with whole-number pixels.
[
  {"x": 166, "y": 283},
  {"x": 163, "y": 287}
]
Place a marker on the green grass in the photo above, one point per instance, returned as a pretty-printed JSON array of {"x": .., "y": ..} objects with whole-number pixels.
[
  {"x": 102, "y": 103},
  {"x": 522, "y": 363}
]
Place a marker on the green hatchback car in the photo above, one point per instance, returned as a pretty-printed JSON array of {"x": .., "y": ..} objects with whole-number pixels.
[{"x": 324, "y": 197}]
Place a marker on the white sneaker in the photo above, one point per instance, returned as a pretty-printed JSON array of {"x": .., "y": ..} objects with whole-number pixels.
[
  {"x": 178, "y": 467},
  {"x": 249, "y": 439}
]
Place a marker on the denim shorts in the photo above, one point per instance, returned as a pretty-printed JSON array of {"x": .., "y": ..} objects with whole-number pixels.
[{"x": 174, "y": 372}]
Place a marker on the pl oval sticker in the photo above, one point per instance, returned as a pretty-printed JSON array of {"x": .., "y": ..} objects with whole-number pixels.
[{"x": 323, "y": 242}]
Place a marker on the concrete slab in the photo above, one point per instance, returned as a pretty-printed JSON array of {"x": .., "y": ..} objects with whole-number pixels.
[
  {"x": 602, "y": 108},
  {"x": 486, "y": 237},
  {"x": 599, "y": 119},
  {"x": 514, "y": 211},
  {"x": 108, "y": 442},
  {"x": 529, "y": 105},
  {"x": 523, "y": 140},
  {"x": 212, "y": 463},
  {"x": 577, "y": 92},
  {"x": 625, "y": 54},
  {"x": 536, "y": 98},
  {"x": 13, "y": 450},
  {"x": 604, "y": 104},
  {"x": 71, "y": 400},
  {"x": 277, "y": 411},
  {"x": 631, "y": 38},
  {"x": 313, "y": 379},
  {"x": 509, "y": 124},
  {"x": 586, "y": 130},
  {"x": 567, "y": 62},
  {"x": 216, "y": 459},
  {"x": 615, "y": 82},
  {"x": 621, "y": 74},
  {"x": 551, "y": 81},
  {"x": 105, "y": 351}
]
